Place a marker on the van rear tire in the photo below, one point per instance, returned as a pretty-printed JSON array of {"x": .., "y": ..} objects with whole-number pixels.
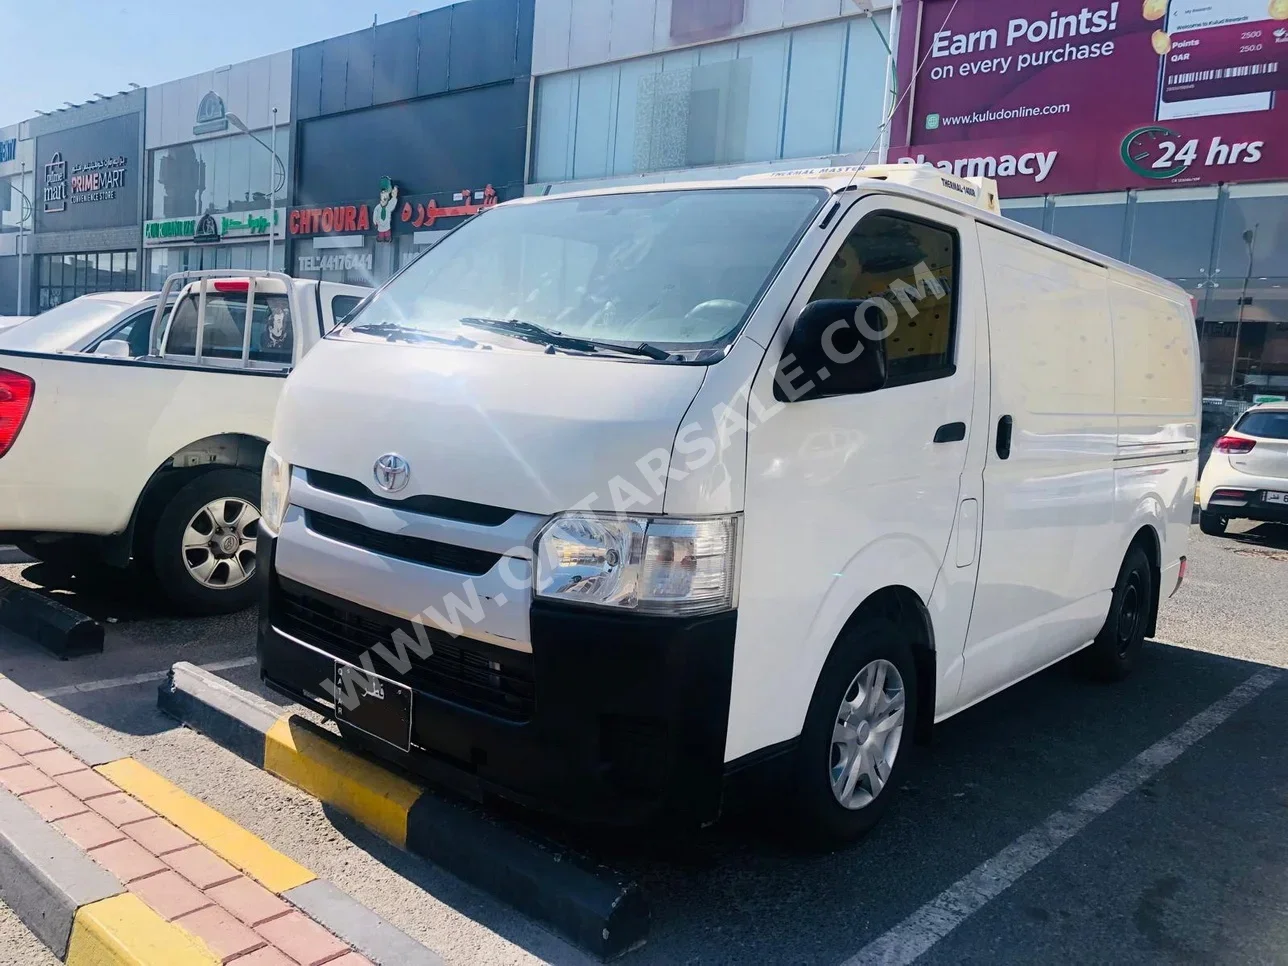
[
  {"x": 870, "y": 672},
  {"x": 1114, "y": 652}
]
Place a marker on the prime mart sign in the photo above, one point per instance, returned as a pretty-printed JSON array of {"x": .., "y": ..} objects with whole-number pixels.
[{"x": 236, "y": 226}]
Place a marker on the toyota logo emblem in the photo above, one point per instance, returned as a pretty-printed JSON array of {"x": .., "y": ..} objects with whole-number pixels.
[{"x": 392, "y": 473}]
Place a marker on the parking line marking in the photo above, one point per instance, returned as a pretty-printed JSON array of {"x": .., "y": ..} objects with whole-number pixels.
[
  {"x": 937, "y": 918},
  {"x": 107, "y": 683}
]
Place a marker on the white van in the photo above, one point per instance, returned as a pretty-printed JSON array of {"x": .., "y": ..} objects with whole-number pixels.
[{"x": 613, "y": 496}]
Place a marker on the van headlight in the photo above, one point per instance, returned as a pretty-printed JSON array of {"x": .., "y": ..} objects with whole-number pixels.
[
  {"x": 657, "y": 565},
  {"x": 275, "y": 491}
]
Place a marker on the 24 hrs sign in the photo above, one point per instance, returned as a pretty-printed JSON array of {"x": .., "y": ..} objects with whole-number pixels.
[{"x": 1161, "y": 154}]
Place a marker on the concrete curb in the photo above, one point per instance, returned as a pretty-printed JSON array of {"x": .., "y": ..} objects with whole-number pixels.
[
  {"x": 85, "y": 916},
  {"x": 591, "y": 905},
  {"x": 60, "y": 630},
  {"x": 43, "y": 715},
  {"x": 44, "y": 877},
  {"x": 359, "y": 926}
]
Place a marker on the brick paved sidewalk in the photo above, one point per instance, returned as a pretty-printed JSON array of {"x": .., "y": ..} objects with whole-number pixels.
[{"x": 180, "y": 879}]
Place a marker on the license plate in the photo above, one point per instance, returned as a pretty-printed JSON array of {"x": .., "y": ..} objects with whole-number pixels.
[
  {"x": 1275, "y": 497},
  {"x": 373, "y": 705}
]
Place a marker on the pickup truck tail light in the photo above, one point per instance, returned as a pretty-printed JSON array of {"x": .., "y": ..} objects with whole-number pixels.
[
  {"x": 16, "y": 392},
  {"x": 1235, "y": 444}
]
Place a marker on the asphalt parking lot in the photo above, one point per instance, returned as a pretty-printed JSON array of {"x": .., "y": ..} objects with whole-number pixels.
[{"x": 1062, "y": 821}]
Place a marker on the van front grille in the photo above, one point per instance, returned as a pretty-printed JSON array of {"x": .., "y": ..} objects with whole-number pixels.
[
  {"x": 431, "y": 553},
  {"x": 494, "y": 680},
  {"x": 461, "y": 511}
]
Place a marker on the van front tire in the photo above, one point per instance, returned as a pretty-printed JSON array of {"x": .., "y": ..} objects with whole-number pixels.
[
  {"x": 203, "y": 546},
  {"x": 1114, "y": 652},
  {"x": 858, "y": 736}
]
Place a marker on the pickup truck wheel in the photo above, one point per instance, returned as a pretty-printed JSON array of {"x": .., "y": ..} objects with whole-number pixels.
[
  {"x": 854, "y": 749},
  {"x": 203, "y": 551}
]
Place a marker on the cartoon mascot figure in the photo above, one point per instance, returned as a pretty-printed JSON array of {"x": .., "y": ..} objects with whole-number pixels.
[{"x": 383, "y": 213}]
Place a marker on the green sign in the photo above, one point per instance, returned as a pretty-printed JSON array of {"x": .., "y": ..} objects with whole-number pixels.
[
  {"x": 1258, "y": 400},
  {"x": 232, "y": 226}
]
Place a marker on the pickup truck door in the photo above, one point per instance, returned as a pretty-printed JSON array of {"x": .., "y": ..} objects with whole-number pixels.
[{"x": 100, "y": 427}]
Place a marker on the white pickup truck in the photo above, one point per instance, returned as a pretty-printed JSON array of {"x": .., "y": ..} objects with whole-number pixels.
[{"x": 154, "y": 461}]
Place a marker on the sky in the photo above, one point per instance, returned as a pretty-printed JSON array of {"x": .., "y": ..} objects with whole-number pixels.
[{"x": 70, "y": 50}]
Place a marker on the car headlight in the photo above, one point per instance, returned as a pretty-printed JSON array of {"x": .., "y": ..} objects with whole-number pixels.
[
  {"x": 659, "y": 565},
  {"x": 275, "y": 492}
]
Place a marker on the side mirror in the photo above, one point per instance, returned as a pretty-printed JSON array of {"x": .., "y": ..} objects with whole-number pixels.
[
  {"x": 114, "y": 349},
  {"x": 836, "y": 348}
]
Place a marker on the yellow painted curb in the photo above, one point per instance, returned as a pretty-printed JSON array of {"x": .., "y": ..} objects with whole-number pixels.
[
  {"x": 215, "y": 831},
  {"x": 376, "y": 798},
  {"x": 122, "y": 931}
]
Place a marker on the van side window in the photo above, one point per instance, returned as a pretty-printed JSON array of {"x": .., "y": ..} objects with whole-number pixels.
[{"x": 908, "y": 269}]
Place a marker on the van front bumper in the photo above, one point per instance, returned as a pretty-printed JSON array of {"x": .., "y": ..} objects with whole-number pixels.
[{"x": 613, "y": 718}]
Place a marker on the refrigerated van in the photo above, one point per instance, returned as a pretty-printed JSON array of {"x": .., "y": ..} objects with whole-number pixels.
[{"x": 615, "y": 496}]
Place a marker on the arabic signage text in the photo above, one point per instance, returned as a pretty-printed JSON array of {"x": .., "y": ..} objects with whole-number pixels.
[
  {"x": 234, "y": 226},
  {"x": 1095, "y": 96},
  {"x": 414, "y": 213}
]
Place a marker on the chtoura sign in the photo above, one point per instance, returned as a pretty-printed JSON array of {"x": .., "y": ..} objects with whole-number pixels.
[{"x": 1095, "y": 96}]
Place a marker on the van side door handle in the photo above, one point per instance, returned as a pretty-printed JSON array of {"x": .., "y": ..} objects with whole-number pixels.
[
  {"x": 1004, "y": 426},
  {"x": 950, "y": 433}
]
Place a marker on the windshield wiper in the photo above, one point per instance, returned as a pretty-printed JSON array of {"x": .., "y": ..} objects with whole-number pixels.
[
  {"x": 393, "y": 332},
  {"x": 532, "y": 332}
]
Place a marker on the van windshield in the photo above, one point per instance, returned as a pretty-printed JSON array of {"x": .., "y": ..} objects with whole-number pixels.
[{"x": 678, "y": 270}]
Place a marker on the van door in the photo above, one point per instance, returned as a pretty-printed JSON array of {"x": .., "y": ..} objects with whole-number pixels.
[
  {"x": 1048, "y": 515},
  {"x": 849, "y": 494}
]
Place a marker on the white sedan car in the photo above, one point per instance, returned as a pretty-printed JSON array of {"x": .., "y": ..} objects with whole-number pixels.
[
  {"x": 1246, "y": 477},
  {"x": 82, "y": 324}
]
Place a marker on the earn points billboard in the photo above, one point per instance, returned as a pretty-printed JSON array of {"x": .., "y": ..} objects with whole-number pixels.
[{"x": 1053, "y": 99}]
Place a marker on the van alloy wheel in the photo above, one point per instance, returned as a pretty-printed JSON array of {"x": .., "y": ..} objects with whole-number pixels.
[
  {"x": 219, "y": 543},
  {"x": 867, "y": 734}
]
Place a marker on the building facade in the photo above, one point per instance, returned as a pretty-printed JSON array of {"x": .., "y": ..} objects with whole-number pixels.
[
  {"x": 1155, "y": 134},
  {"x": 88, "y": 194},
  {"x": 403, "y": 130},
  {"x": 219, "y": 159},
  {"x": 17, "y": 215},
  {"x": 656, "y": 90}
]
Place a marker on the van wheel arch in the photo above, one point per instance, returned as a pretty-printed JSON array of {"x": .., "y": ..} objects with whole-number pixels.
[
  {"x": 903, "y": 606},
  {"x": 1147, "y": 539},
  {"x": 228, "y": 450}
]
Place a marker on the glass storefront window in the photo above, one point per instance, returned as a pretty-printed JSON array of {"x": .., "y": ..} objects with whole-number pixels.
[
  {"x": 1027, "y": 211},
  {"x": 1172, "y": 231},
  {"x": 220, "y": 175},
  {"x": 1093, "y": 221},
  {"x": 1254, "y": 233},
  {"x": 61, "y": 278},
  {"x": 811, "y": 91},
  {"x": 165, "y": 261},
  {"x": 15, "y": 210}
]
